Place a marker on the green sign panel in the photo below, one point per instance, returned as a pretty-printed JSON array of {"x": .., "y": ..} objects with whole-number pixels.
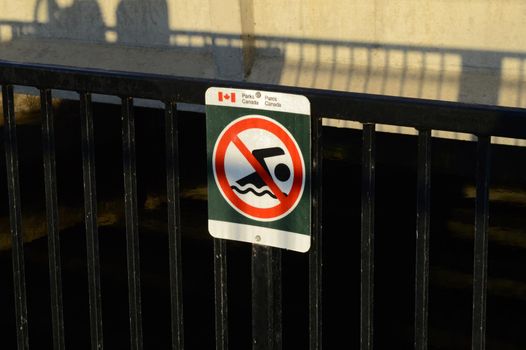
[{"x": 259, "y": 167}]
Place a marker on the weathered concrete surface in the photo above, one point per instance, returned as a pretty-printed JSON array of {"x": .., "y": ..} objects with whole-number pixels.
[{"x": 469, "y": 51}]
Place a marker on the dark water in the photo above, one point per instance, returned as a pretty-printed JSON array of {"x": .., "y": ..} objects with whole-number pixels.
[{"x": 451, "y": 243}]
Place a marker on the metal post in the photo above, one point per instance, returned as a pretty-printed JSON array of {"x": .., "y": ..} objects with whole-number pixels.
[
  {"x": 480, "y": 258},
  {"x": 367, "y": 239},
  {"x": 315, "y": 253},
  {"x": 50, "y": 177},
  {"x": 174, "y": 224},
  {"x": 132, "y": 226},
  {"x": 90, "y": 221},
  {"x": 422, "y": 238},
  {"x": 15, "y": 217},
  {"x": 266, "y": 298},
  {"x": 221, "y": 294}
]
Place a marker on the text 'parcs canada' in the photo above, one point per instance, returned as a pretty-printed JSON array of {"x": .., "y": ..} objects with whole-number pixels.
[{"x": 250, "y": 99}]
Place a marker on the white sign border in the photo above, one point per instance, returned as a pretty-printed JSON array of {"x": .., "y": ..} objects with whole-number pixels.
[{"x": 259, "y": 235}]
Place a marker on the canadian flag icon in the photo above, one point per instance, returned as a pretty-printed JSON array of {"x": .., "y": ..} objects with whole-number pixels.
[{"x": 227, "y": 97}]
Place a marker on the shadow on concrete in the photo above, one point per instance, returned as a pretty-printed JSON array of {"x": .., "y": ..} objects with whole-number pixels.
[
  {"x": 80, "y": 20},
  {"x": 464, "y": 75},
  {"x": 143, "y": 22}
]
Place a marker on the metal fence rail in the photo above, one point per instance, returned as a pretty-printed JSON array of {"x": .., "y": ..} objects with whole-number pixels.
[{"x": 483, "y": 121}]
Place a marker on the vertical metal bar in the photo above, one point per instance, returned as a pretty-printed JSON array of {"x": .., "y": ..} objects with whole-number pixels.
[
  {"x": 221, "y": 295},
  {"x": 480, "y": 261},
  {"x": 367, "y": 233},
  {"x": 15, "y": 217},
  {"x": 90, "y": 221},
  {"x": 174, "y": 224},
  {"x": 132, "y": 227},
  {"x": 315, "y": 253},
  {"x": 266, "y": 298},
  {"x": 50, "y": 179},
  {"x": 423, "y": 200}
]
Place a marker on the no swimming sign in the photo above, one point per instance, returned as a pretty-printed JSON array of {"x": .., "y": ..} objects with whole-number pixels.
[{"x": 259, "y": 166}]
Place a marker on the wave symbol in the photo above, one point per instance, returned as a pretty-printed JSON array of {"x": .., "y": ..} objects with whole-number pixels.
[{"x": 252, "y": 189}]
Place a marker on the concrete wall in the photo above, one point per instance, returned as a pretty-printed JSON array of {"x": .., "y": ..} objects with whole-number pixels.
[{"x": 462, "y": 50}]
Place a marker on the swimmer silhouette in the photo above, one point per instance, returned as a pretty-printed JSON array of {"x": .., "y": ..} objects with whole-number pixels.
[{"x": 281, "y": 172}]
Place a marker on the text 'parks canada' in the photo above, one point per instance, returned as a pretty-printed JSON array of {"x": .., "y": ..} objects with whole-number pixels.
[{"x": 250, "y": 99}]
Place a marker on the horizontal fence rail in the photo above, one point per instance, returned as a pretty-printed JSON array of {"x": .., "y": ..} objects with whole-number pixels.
[
  {"x": 266, "y": 263},
  {"x": 365, "y": 108}
]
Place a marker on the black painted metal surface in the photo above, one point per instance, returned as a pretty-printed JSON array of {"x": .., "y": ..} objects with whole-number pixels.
[
  {"x": 367, "y": 245},
  {"x": 221, "y": 294},
  {"x": 15, "y": 217},
  {"x": 174, "y": 223},
  {"x": 315, "y": 253},
  {"x": 480, "y": 258},
  {"x": 50, "y": 176},
  {"x": 132, "y": 226},
  {"x": 423, "y": 201},
  {"x": 365, "y": 108},
  {"x": 267, "y": 329},
  {"x": 90, "y": 221}
]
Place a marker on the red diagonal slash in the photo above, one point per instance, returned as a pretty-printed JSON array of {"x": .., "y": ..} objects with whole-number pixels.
[{"x": 269, "y": 181}]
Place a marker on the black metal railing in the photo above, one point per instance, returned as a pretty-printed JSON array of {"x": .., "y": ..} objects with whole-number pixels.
[{"x": 425, "y": 116}]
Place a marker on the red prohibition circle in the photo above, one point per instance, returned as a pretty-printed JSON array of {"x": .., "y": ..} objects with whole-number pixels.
[{"x": 230, "y": 135}]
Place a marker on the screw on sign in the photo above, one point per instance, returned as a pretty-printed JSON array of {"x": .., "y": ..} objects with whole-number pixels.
[{"x": 259, "y": 168}]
